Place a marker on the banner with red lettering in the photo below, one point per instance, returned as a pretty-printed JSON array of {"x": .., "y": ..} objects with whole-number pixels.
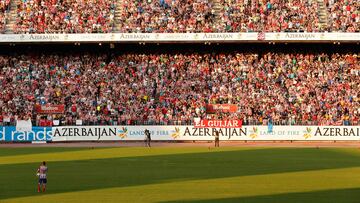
[
  {"x": 218, "y": 124},
  {"x": 214, "y": 108},
  {"x": 50, "y": 108}
]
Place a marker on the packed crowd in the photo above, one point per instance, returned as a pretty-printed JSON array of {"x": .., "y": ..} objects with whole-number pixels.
[
  {"x": 319, "y": 89},
  {"x": 65, "y": 16},
  {"x": 269, "y": 16},
  {"x": 344, "y": 15},
  {"x": 238, "y": 16},
  {"x": 167, "y": 16},
  {"x": 4, "y": 13},
  {"x": 181, "y": 16}
]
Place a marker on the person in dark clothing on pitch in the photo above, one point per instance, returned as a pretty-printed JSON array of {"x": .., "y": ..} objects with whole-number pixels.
[
  {"x": 147, "y": 138},
  {"x": 217, "y": 137}
]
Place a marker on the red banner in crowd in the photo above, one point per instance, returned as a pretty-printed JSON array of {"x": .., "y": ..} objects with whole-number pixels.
[
  {"x": 213, "y": 108},
  {"x": 218, "y": 124},
  {"x": 49, "y": 109}
]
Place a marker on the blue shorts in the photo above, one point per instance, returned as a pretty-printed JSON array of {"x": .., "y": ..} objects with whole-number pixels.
[{"x": 42, "y": 181}]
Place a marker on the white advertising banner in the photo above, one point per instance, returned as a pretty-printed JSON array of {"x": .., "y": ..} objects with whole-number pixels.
[
  {"x": 308, "y": 36},
  {"x": 129, "y": 37},
  {"x": 181, "y": 37},
  {"x": 23, "y": 125},
  {"x": 172, "y": 133}
]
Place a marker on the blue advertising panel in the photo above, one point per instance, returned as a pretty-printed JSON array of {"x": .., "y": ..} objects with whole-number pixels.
[{"x": 10, "y": 134}]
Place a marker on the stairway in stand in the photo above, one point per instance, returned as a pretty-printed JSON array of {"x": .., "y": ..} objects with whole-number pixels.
[
  {"x": 217, "y": 7},
  {"x": 9, "y": 27},
  {"x": 322, "y": 14},
  {"x": 118, "y": 12}
]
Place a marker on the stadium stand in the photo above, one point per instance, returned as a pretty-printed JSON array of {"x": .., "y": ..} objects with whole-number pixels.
[
  {"x": 178, "y": 16},
  {"x": 173, "y": 88},
  {"x": 344, "y": 16},
  {"x": 167, "y": 16},
  {"x": 4, "y": 10},
  {"x": 269, "y": 16},
  {"x": 72, "y": 16}
]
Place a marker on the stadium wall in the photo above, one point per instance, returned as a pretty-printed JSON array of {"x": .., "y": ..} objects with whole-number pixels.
[
  {"x": 180, "y": 133},
  {"x": 182, "y": 37}
]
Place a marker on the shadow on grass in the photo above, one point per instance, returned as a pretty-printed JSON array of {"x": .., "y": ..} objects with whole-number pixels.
[
  {"x": 72, "y": 176},
  {"x": 8, "y": 151},
  {"x": 326, "y": 196}
]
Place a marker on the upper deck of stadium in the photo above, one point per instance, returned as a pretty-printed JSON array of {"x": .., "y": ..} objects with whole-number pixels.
[{"x": 178, "y": 16}]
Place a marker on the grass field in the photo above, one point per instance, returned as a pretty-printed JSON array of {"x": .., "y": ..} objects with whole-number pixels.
[{"x": 189, "y": 174}]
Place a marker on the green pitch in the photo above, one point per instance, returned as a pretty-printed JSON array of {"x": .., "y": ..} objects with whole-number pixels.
[{"x": 191, "y": 174}]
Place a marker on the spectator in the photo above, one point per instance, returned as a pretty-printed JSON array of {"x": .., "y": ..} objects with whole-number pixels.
[
  {"x": 344, "y": 15},
  {"x": 182, "y": 16},
  {"x": 166, "y": 16},
  {"x": 320, "y": 89},
  {"x": 71, "y": 16},
  {"x": 4, "y": 13},
  {"x": 269, "y": 16}
]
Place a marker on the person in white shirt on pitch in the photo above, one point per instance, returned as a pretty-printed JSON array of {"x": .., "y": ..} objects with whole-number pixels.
[{"x": 42, "y": 174}]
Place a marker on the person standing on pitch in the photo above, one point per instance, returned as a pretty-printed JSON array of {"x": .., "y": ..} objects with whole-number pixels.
[
  {"x": 41, "y": 173},
  {"x": 147, "y": 138},
  {"x": 217, "y": 141}
]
